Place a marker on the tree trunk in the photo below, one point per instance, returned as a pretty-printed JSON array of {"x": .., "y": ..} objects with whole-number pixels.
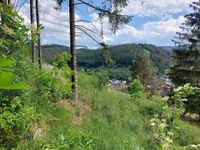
[
  {"x": 73, "y": 48},
  {"x": 5, "y": 2},
  {"x": 32, "y": 24},
  {"x": 39, "y": 39}
]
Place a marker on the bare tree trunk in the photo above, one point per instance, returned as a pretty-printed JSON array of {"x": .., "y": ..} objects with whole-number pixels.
[
  {"x": 9, "y": 1},
  {"x": 1, "y": 15},
  {"x": 39, "y": 38},
  {"x": 73, "y": 48},
  {"x": 32, "y": 23}
]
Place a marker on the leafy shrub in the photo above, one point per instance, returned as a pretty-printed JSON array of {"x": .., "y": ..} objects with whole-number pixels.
[
  {"x": 186, "y": 99},
  {"x": 15, "y": 116},
  {"x": 135, "y": 88},
  {"x": 166, "y": 125},
  {"x": 102, "y": 79},
  {"x": 162, "y": 134},
  {"x": 14, "y": 34},
  {"x": 62, "y": 68},
  {"x": 7, "y": 77},
  {"x": 69, "y": 140},
  {"x": 61, "y": 64},
  {"x": 72, "y": 140},
  {"x": 48, "y": 87}
]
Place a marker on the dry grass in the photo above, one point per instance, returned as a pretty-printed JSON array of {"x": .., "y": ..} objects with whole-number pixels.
[{"x": 80, "y": 110}]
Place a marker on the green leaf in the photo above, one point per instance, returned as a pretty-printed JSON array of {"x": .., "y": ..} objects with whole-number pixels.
[{"x": 6, "y": 75}]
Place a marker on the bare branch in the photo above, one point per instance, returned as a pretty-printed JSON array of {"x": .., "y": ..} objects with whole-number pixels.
[{"x": 90, "y": 36}]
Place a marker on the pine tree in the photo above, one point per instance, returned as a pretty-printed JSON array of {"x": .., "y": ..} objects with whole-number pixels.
[
  {"x": 189, "y": 37},
  {"x": 187, "y": 54}
]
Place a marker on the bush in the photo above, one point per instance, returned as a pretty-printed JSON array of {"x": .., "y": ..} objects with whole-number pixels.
[
  {"x": 186, "y": 98},
  {"x": 15, "y": 116},
  {"x": 135, "y": 88},
  {"x": 70, "y": 140},
  {"x": 102, "y": 79},
  {"x": 48, "y": 87}
]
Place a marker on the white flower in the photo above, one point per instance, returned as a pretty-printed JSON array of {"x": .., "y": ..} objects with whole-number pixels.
[
  {"x": 178, "y": 89},
  {"x": 184, "y": 100},
  {"x": 194, "y": 146},
  {"x": 162, "y": 125},
  {"x": 165, "y": 98}
]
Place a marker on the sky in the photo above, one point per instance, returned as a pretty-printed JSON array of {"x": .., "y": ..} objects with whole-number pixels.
[{"x": 154, "y": 22}]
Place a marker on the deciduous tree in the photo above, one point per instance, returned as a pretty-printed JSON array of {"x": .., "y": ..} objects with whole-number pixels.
[{"x": 143, "y": 68}]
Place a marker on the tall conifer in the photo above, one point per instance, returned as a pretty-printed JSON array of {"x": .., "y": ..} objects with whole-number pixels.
[{"x": 187, "y": 53}]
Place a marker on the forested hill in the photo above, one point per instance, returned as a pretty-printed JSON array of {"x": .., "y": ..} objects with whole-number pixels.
[{"x": 122, "y": 55}]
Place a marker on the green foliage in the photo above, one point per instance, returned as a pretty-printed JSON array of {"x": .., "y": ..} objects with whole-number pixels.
[
  {"x": 61, "y": 61},
  {"x": 135, "y": 88},
  {"x": 184, "y": 99},
  {"x": 122, "y": 55},
  {"x": 143, "y": 68},
  {"x": 107, "y": 57},
  {"x": 115, "y": 121},
  {"x": 61, "y": 67},
  {"x": 162, "y": 134},
  {"x": 49, "y": 87},
  {"x": 15, "y": 116},
  {"x": 6, "y": 75},
  {"x": 71, "y": 140},
  {"x": 13, "y": 32},
  {"x": 189, "y": 37},
  {"x": 102, "y": 79},
  {"x": 166, "y": 126},
  {"x": 186, "y": 68},
  {"x": 186, "y": 55},
  {"x": 113, "y": 73}
]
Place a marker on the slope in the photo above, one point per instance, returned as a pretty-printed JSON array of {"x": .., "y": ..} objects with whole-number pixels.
[{"x": 122, "y": 55}]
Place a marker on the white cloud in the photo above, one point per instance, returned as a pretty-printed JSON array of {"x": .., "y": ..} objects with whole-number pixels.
[
  {"x": 156, "y": 7},
  {"x": 158, "y": 33},
  {"x": 56, "y": 23},
  {"x": 56, "y": 26}
]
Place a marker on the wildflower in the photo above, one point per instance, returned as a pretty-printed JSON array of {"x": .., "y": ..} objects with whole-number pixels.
[{"x": 162, "y": 126}]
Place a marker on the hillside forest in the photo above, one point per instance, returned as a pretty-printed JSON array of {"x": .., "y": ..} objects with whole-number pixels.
[{"x": 132, "y": 96}]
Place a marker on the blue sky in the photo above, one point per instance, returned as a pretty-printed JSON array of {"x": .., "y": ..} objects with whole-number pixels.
[{"x": 155, "y": 22}]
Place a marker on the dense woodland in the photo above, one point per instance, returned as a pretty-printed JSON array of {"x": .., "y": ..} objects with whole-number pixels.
[
  {"x": 53, "y": 99},
  {"x": 122, "y": 55}
]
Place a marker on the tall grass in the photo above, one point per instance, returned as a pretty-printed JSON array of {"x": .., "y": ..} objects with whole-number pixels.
[
  {"x": 115, "y": 122},
  {"x": 119, "y": 122}
]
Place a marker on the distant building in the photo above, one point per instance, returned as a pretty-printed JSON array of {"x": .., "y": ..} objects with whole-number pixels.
[
  {"x": 118, "y": 84},
  {"x": 167, "y": 86}
]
